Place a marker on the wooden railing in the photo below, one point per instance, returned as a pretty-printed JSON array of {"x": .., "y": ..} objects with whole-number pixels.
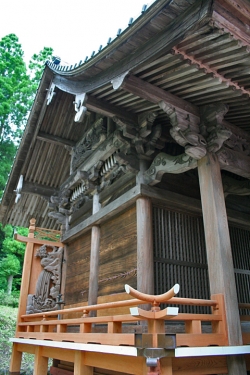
[
  {"x": 245, "y": 319},
  {"x": 120, "y": 329}
]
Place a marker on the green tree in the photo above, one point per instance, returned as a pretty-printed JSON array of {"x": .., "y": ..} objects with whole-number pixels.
[
  {"x": 36, "y": 65},
  {"x": 11, "y": 259},
  {"x": 18, "y": 86}
]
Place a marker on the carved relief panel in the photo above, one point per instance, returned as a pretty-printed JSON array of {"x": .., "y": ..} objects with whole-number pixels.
[{"x": 48, "y": 286}]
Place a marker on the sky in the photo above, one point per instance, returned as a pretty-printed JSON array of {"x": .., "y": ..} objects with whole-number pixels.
[{"x": 74, "y": 29}]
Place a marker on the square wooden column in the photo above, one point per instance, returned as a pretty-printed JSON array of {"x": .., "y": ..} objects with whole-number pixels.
[
  {"x": 145, "y": 258},
  {"x": 218, "y": 247},
  {"x": 94, "y": 258},
  {"x": 16, "y": 356}
]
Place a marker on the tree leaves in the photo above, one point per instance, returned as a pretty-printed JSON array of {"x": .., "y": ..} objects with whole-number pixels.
[{"x": 18, "y": 86}]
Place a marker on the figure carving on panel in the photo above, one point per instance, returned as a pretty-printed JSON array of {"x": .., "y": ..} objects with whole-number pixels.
[{"x": 49, "y": 281}]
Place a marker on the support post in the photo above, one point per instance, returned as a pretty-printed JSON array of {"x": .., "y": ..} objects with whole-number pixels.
[
  {"x": 94, "y": 258},
  {"x": 79, "y": 365},
  {"x": 15, "y": 361},
  {"x": 16, "y": 356},
  {"x": 219, "y": 254},
  {"x": 145, "y": 256},
  {"x": 41, "y": 363},
  {"x": 145, "y": 259}
]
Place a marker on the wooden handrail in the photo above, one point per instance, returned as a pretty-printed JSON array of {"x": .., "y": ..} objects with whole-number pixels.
[{"x": 116, "y": 304}]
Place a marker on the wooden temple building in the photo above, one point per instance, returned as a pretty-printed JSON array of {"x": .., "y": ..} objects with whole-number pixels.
[{"x": 140, "y": 156}]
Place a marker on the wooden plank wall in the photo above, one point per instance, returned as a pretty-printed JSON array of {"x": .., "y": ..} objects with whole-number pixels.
[
  {"x": 117, "y": 259},
  {"x": 118, "y": 253},
  {"x": 77, "y": 274}
]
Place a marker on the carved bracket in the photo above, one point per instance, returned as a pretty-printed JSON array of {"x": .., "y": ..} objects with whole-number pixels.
[
  {"x": 91, "y": 140},
  {"x": 144, "y": 136},
  {"x": 164, "y": 163},
  {"x": 185, "y": 131},
  {"x": 212, "y": 128}
]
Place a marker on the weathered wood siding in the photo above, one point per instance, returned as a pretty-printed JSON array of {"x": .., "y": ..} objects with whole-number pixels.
[
  {"x": 77, "y": 275},
  {"x": 117, "y": 259},
  {"x": 118, "y": 253}
]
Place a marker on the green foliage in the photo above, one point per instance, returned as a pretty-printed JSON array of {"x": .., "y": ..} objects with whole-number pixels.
[
  {"x": 11, "y": 257},
  {"x": 8, "y": 317},
  {"x": 17, "y": 91},
  {"x": 36, "y": 64},
  {"x": 9, "y": 300}
]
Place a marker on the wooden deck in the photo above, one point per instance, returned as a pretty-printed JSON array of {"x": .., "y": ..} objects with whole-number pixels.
[{"x": 113, "y": 343}]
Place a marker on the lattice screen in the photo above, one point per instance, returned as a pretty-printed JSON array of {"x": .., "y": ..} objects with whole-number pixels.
[
  {"x": 180, "y": 256},
  {"x": 240, "y": 242}
]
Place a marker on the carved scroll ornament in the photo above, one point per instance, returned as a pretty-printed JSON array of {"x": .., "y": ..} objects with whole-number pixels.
[
  {"x": 197, "y": 136},
  {"x": 49, "y": 281},
  {"x": 91, "y": 140},
  {"x": 164, "y": 163}
]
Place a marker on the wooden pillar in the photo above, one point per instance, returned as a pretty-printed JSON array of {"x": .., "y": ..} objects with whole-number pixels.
[
  {"x": 16, "y": 360},
  {"x": 16, "y": 357},
  {"x": 145, "y": 259},
  {"x": 219, "y": 254},
  {"x": 94, "y": 258},
  {"x": 145, "y": 256},
  {"x": 79, "y": 365},
  {"x": 41, "y": 363}
]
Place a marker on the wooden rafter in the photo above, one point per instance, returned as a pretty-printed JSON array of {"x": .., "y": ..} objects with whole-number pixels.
[{"x": 50, "y": 138}]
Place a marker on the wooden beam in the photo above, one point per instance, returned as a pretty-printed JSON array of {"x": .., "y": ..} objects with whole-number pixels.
[
  {"x": 235, "y": 162},
  {"x": 38, "y": 189},
  {"x": 106, "y": 109},
  {"x": 162, "y": 42},
  {"x": 170, "y": 199},
  {"x": 27, "y": 240},
  {"x": 50, "y": 138},
  {"x": 156, "y": 95},
  {"x": 117, "y": 206},
  {"x": 219, "y": 253}
]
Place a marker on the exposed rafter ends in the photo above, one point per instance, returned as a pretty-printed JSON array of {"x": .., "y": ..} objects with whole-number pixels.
[
  {"x": 234, "y": 17},
  {"x": 208, "y": 69}
]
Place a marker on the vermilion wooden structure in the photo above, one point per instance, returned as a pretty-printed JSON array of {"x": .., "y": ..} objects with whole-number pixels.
[{"x": 140, "y": 155}]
